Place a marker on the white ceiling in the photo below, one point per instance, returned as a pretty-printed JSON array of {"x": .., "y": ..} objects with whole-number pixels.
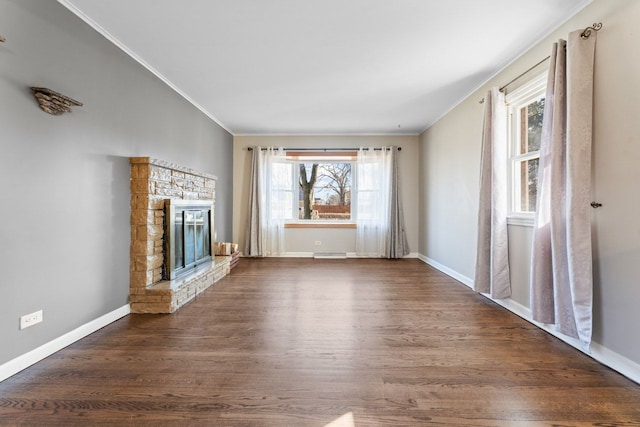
[{"x": 325, "y": 66}]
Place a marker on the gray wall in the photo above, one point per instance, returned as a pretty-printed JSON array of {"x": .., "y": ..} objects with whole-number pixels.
[
  {"x": 64, "y": 222},
  {"x": 450, "y": 158}
]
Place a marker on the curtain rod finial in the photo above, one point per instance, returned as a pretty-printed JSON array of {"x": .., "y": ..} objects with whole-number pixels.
[{"x": 586, "y": 33}]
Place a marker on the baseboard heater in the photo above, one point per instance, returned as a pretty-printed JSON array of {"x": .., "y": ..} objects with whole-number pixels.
[{"x": 330, "y": 255}]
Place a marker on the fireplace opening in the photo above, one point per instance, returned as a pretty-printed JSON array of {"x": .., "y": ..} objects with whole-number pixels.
[{"x": 188, "y": 235}]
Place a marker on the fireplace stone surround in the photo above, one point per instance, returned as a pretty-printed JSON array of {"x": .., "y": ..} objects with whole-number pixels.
[{"x": 153, "y": 181}]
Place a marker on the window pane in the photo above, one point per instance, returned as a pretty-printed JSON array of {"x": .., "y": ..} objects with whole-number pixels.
[
  {"x": 531, "y": 126},
  {"x": 325, "y": 191},
  {"x": 528, "y": 185},
  {"x": 526, "y": 114}
]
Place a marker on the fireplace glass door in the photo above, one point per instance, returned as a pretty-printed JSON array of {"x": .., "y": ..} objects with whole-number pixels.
[
  {"x": 196, "y": 232},
  {"x": 189, "y": 236}
]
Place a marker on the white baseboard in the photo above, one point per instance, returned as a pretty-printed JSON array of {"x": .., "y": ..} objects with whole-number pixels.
[
  {"x": 602, "y": 354},
  {"x": 329, "y": 255},
  {"x": 349, "y": 255},
  {"x": 16, "y": 365},
  {"x": 446, "y": 270},
  {"x": 295, "y": 255}
]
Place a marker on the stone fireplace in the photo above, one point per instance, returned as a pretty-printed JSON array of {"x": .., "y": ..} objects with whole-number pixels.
[{"x": 152, "y": 182}]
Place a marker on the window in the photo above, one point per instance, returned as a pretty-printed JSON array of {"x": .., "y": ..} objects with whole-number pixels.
[
  {"x": 526, "y": 108},
  {"x": 312, "y": 187}
]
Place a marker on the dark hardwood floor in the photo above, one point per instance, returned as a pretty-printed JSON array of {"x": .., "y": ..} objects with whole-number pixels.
[{"x": 302, "y": 342}]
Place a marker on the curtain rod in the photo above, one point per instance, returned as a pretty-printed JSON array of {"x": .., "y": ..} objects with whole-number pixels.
[
  {"x": 322, "y": 149},
  {"x": 524, "y": 73},
  {"x": 503, "y": 87},
  {"x": 586, "y": 33}
]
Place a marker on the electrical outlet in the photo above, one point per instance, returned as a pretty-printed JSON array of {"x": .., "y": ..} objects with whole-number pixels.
[
  {"x": 318, "y": 243},
  {"x": 30, "y": 319}
]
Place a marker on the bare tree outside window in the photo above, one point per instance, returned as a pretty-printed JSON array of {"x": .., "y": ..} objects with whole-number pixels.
[
  {"x": 339, "y": 181},
  {"x": 307, "y": 184}
]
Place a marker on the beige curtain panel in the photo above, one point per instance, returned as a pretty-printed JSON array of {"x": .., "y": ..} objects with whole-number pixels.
[{"x": 561, "y": 271}]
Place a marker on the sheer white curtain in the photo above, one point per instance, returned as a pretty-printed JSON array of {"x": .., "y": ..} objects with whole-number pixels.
[
  {"x": 270, "y": 202},
  {"x": 372, "y": 218},
  {"x": 561, "y": 271},
  {"x": 492, "y": 258},
  {"x": 379, "y": 220}
]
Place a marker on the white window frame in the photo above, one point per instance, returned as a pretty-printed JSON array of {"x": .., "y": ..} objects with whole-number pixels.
[{"x": 529, "y": 92}]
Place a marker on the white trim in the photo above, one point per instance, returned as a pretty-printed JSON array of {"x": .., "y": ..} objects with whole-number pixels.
[
  {"x": 294, "y": 255},
  {"x": 138, "y": 59},
  {"x": 349, "y": 255},
  {"x": 408, "y": 256},
  {"x": 523, "y": 221},
  {"x": 530, "y": 90},
  {"x": 16, "y": 365},
  {"x": 284, "y": 255},
  {"x": 330, "y": 255},
  {"x": 600, "y": 353},
  {"x": 616, "y": 361},
  {"x": 446, "y": 270},
  {"x": 326, "y": 134}
]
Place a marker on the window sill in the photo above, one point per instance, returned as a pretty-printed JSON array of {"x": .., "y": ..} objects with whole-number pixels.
[
  {"x": 320, "y": 225},
  {"x": 522, "y": 221}
]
